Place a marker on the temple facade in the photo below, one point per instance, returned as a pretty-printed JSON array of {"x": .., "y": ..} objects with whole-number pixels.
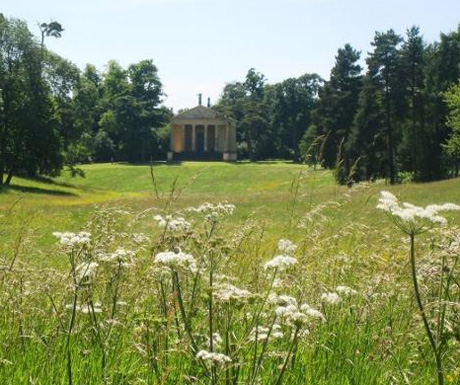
[{"x": 202, "y": 134}]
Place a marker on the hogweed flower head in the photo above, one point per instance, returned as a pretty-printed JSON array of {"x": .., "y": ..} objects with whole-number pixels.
[
  {"x": 291, "y": 315},
  {"x": 86, "y": 308},
  {"x": 286, "y": 246},
  {"x": 281, "y": 300},
  {"x": 311, "y": 312},
  {"x": 413, "y": 219},
  {"x": 261, "y": 333},
  {"x": 71, "y": 240},
  {"x": 345, "y": 290},
  {"x": 176, "y": 261},
  {"x": 119, "y": 256},
  {"x": 331, "y": 298},
  {"x": 215, "y": 358},
  {"x": 280, "y": 263},
  {"x": 86, "y": 271},
  {"x": 228, "y": 293},
  {"x": 172, "y": 223},
  {"x": 213, "y": 212}
]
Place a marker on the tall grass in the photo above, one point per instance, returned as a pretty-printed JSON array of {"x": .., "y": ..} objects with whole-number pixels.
[{"x": 179, "y": 292}]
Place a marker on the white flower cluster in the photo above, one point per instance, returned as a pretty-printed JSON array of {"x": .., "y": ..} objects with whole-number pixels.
[
  {"x": 291, "y": 314},
  {"x": 311, "y": 312},
  {"x": 289, "y": 311},
  {"x": 331, "y": 298},
  {"x": 86, "y": 271},
  {"x": 229, "y": 293},
  {"x": 219, "y": 208},
  {"x": 69, "y": 239},
  {"x": 215, "y": 358},
  {"x": 213, "y": 212},
  {"x": 139, "y": 238},
  {"x": 409, "y": 213},
  {"x": 281, "y": 300},
  {"x": 175, "y": 261},
  {"x": 216, "y": 340},
  {"x": 119, "y": 256},
  {"x": 86, "y": 308},
  {"x": 172, "y": 223},
  {"x": 280, "y": 262},
  {"x": 286, "y": 246},
  {"x": 345, "y": 290},
  {"x": 261, "y": 333}
]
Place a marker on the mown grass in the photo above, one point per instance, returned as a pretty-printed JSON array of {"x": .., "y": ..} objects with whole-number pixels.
[{"x": 374, "y": 337}]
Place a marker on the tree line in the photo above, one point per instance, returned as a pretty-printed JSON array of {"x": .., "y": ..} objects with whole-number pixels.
[
  {"x": 52, "y": 114},
  {"x": 397, "y": 119}
]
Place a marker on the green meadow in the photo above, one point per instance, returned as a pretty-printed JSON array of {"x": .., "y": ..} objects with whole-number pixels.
[{"x": 158, "y": 293}]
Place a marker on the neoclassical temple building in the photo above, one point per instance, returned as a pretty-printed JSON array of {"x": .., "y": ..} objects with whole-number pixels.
[{"x": 202, "y": 134}]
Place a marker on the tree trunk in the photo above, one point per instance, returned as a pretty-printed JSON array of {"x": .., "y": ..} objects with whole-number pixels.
[
  {"x": 2, "y": 152},
  {"x": 390, "y": 137},
  {"x": 9, "y": 177},
  {"x": 295, "y": 141},
  {"x": 414, "y": 134}
]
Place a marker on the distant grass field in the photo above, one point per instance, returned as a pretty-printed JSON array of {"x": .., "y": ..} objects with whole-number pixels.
[{"x": 272, "y": 193}]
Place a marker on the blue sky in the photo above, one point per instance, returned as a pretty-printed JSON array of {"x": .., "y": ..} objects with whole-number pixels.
[{"x": 200, "y": 45}]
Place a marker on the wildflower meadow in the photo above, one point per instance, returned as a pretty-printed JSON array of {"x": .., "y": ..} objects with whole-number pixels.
[{"x": 165, "y": 279}]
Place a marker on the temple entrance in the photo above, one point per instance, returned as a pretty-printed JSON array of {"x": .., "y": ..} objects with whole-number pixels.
[
  {"x": 188, "y": 137},
  {"x": 211, "y": 141},
  {"x": 202, "y": 134},
  {"x": 200, "y": 139}
]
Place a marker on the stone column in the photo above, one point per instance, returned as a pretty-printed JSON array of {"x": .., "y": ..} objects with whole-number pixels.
[
  {"x": 171, "y": 138},
  {"x": 193, "y": 138},
  {"x": 227, "y": 137},
  {"x": 216, "y": 138},
  {"x": 205, "y": 137}
]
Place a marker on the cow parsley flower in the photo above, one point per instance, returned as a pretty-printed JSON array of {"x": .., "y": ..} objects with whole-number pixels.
[
  {"x": 280, "y": 262},
  {"x": 345, "y": 290},
  {"x": 172, "y": 223},
  {"x": 331, "y": 298},
  {"x": 71, "y": 240},
  {"x": 219, "y": 208},
  {"x": 213, "y": 212},
  {"x": 215, "y": 358},
  {"x": 86, "y": 308},
  {"x": 291, "y": 315},
  {"x": 281, "y": 300},
  {"x": 411, "y": 218},
  {"x": 178, "y": 260},
  {"x": 119, "y": 256},
  {"x": 86, "y": 271},
  {"x": 229, "y": 293},
  {"x": 286, "y": 246},
  {"x": 262, "y": 333},
  {"x": 311, "y": 312}
]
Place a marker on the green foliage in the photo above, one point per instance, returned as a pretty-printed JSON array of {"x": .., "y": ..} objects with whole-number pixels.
[
  {"x": 30, "y": 141},
  {"x": 337, "y": 107},
  {"x": 452, "y": 147}
]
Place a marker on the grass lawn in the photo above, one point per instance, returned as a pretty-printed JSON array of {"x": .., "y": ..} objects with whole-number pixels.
[
  {"x": 273, "y": 193},
  {"x": 143, "y": 319}
]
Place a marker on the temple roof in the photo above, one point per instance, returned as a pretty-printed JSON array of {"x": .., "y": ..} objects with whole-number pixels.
[{"x": 200, "y": 113}]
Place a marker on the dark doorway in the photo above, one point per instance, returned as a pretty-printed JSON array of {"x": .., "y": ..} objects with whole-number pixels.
[
  {"x": 188, "y": 137},
  {"x": 211, "y": 138},
  {"x": 199, "y": 139}
]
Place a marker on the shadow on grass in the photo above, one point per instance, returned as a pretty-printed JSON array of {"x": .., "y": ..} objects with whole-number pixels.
[
  {"x": 47, "y": 180},
  {"x": 36, "y": 190},
  {"x": 243, "y": 162}
]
